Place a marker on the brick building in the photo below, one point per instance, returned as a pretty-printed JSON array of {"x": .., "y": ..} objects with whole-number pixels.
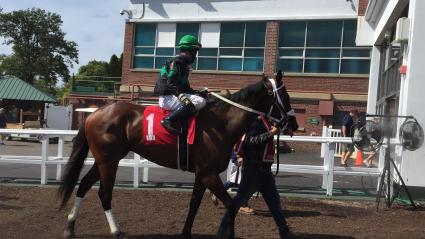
[{"x": 312, "y": 41}]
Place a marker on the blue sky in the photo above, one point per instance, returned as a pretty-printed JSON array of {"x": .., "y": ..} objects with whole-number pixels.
[{"x": 95, "y": 25}]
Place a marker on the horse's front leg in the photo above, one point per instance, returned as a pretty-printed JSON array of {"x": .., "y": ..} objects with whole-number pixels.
[
  {"x": 214, "y": 183},
  {"x": 195, "y": 201}
]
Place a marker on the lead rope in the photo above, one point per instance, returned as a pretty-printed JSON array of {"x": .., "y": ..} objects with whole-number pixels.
[{"x": 278, "y": 153}]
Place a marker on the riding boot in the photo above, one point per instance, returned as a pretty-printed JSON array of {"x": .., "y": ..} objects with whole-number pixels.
[{"x": 175, "y": 117}]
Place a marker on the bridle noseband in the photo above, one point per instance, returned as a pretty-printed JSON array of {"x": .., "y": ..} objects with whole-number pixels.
[{"x": 277, "y": 101}]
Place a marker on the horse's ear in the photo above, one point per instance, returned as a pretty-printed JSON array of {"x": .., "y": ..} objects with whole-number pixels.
[
  {"x": 227, "y": 93},
  {"x": 279, "y": 76},
  {"x": 264, "y": 77}
]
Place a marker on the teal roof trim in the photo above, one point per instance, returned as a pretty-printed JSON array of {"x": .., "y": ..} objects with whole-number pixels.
[{"x": 13, "y": 88}]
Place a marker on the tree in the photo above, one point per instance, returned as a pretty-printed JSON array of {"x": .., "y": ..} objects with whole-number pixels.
[
  {"x": 114, "y": 66},
  {"x": 39, "y": 46},
  {"x": 94, "y": 68}
]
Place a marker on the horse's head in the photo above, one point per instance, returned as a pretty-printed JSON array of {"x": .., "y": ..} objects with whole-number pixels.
[{"x": 280, "y": 112}]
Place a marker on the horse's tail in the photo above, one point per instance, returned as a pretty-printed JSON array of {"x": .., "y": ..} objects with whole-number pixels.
[{"x": 80, "y": 150}]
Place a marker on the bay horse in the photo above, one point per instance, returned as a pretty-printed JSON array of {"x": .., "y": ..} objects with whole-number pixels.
[{"x": 114, "y": 130}]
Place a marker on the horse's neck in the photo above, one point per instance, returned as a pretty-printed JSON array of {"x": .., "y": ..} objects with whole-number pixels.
[{"x": 240, "y": 120}]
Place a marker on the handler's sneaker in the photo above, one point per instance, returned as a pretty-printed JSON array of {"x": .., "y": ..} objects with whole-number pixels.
[
  {"x": 247, "y": 210},
  {"x": 214, "y": 200}
]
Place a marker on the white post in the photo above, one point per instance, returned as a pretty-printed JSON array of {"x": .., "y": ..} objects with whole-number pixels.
[
  {"x": 229, "y": 170},
  {"x": 44, "y": 158},
  {"x": 145, "y": 172},
  {"x": 136, "y": 161},
  {"x": 325, "y": 164},
  {"x": 331, "y": 162},
  {"x": 323, "y": 148},
  {"x": 60, "y": 157},
  {"x": 381, "y": 164}
]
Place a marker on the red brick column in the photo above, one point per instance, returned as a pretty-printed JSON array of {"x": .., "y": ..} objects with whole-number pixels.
[
  {"x": 270, "y": 56},
  {"x": 362, "y": 7},
  {"x": 127, "y": 55}
]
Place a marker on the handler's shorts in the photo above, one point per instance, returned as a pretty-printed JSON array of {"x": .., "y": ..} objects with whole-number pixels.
[{"x": 347, "y": 148}]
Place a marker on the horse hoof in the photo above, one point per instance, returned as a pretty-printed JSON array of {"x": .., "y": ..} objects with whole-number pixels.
[
  {"x": 186, "y": 236},
  {"x": 225, "y": 234},
  {"x": 120, "y": 235},
  {"x": 69, "y": 231},
  {"x": 67, "y": 234}
]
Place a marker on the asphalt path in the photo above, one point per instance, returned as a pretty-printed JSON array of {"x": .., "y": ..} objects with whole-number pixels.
[{"x": 306, "y": 184}]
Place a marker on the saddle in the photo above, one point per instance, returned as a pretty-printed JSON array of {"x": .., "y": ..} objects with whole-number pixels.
[{"x": 155, "y": 134}]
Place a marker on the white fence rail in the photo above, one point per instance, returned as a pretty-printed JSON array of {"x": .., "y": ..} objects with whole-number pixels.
[{"x": 328, "y": 170}]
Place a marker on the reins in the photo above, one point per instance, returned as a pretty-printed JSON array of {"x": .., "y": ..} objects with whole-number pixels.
[
  {"x": 238, "y": 105},
  {"x": 254, "y": 111}
]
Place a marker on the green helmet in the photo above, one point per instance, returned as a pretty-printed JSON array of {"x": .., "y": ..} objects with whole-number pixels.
[{"x": 189, "y": 42}]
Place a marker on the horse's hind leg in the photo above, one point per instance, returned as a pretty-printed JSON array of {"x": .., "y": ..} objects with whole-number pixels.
[
  {"x": 86, "y": 183},
  {"x": 108, "y": 173}
]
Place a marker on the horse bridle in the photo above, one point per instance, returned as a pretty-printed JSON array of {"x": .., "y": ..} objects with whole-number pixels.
[{"x": 277, "y": 101}]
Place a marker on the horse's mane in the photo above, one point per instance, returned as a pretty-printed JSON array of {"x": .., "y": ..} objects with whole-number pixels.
[{"x": 239, "y": 96}]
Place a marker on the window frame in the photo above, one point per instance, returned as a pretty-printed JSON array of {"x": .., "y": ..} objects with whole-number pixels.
[{"x": 304, "y": 58}]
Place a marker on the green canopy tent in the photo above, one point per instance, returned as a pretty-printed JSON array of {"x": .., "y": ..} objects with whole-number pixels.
[{"x": 22, "y": 101}]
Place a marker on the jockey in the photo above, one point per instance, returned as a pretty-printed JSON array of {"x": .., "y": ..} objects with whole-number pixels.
[{"x": 175, "y": 93}]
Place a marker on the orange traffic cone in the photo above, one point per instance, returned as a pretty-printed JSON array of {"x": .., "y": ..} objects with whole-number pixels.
[{"x": 359, "y": 158}]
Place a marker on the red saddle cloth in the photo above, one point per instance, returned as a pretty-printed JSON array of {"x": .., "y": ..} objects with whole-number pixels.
[{"x": 153, "y": 132}]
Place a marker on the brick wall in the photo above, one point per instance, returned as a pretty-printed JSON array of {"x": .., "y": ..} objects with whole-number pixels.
[
  {"x": 272, "y": 37},
  {"x": 237, "y": 81},
  {"x": 362, "y": 7},
  {"x": 329, "y": 84},
  {"x": 127, "y": 54}
]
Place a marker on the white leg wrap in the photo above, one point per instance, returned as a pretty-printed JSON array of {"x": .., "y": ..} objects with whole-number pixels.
[
  {"x": 74, "y": 211},
  {"x": 112, "y": 224}
]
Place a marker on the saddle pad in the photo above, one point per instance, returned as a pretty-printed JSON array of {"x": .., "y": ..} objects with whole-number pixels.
[{"x": 154, "y": 134}]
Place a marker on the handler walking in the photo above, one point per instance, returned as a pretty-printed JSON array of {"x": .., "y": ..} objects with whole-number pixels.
[{"x": 258, "y": 154}]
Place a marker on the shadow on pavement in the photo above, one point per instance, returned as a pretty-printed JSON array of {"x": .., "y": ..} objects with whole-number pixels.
[
  {"x": 289, "y": 213},
  {"x": 319, "y": 236}
]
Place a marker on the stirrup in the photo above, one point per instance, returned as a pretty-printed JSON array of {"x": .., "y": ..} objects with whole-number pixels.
[{"x": 167, "y": 124}]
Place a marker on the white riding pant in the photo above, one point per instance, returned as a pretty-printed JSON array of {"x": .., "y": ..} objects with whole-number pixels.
[{"x": 171, "y": 102}]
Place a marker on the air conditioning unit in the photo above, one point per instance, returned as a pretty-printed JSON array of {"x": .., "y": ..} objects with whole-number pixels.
[{"x": 402, "y": 30}]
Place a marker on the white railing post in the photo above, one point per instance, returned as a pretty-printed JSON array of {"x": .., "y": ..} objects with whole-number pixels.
[
  {"x": 325, "y": 165},
  {"x": 136, "y": 161},
  {"x": 145, "y": 171},
  {"x": 44, "y": 157},
  {"x": 61, "y": 141},
  {"x": 331, "y": 156},
  {"x": 323, "y": 147}
]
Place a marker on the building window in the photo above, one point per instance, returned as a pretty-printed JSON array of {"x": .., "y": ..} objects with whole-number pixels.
[
  {"x": 144, "y": 46},
  {"x": 226, "y": 46},
  {"x": 321, "y": 47},
  {"x": 242, "y": 46}
]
